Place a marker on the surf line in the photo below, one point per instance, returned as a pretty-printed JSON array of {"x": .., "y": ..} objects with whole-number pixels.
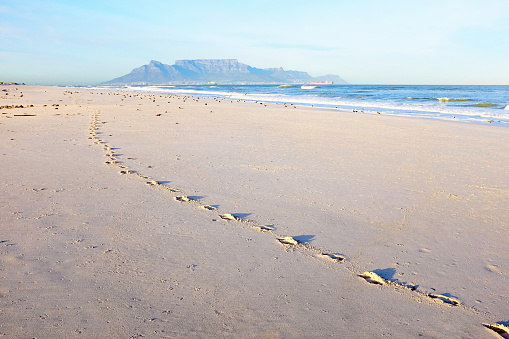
[{"x": 287, "y": 242}]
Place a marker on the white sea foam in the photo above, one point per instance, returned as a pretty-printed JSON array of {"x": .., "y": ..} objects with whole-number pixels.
[
  {"x": 436, "y": 111},
  {"x": 506, "y": 108},
  {"x": 449, "y": 99}
]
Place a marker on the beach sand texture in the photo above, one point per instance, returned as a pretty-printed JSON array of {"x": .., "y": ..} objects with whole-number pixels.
[{"x": 129, "y": 214}]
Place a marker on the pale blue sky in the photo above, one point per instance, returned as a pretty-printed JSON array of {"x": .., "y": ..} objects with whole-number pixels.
[{"x": 363, "y": 41}]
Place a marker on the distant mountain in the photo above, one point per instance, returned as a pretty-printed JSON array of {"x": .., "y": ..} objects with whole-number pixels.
[{"x": 220, "y": 71}]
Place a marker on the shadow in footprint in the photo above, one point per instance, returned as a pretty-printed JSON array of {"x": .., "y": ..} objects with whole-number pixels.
[
  {"x": 386, "y": 273},
  {"x": 164, "y": 182},
  {"x": 500, "y": 327},
  {"x": 447, "y": 298},
  {"x": 302, "y": 239},
  {"x": 241, "y": 216},
  {"x": 195, "y": 197},
  {"x": 449, "y": 295}
]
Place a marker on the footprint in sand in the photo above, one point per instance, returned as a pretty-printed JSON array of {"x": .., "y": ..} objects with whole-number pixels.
[
  {"x": 445, "y": 299},
  {"x": 499, "y": 328},
  {"x": 373, "y": 278},
  {"x": 183, "y": 198},
  {"x": 285, "y": 241},
  {"x": 207, "y": 207},
  {"x": 228, "y": 216},
  {"x": 333, "y": 257},
  {"x": 263, "y": 228},
  {"x": 494, "y": 268}
]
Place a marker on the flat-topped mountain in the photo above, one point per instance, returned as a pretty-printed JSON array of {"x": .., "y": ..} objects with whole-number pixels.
[{"x": 220, "y": 71}]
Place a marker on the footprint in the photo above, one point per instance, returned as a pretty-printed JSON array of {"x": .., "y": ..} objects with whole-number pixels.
[
  {"x": 499, "y": 328},
  {"x": 263, "y": 228},
  {"x": 373, "y": 278},
  {"x": 445, "y": 299},
  {"x": 207, "y": 207},
  {"x": 334, "y": 257},
  {"x": 228, "y": 216},
  {"x": 494, "y": 268},
  {"x": 183, "y": 198},
  {"x": 152, "y": 183},
  {"x": 288, "y": 241}
]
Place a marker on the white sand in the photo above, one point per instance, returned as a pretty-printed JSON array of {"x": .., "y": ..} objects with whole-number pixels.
[{"x": 89, "y": 252}]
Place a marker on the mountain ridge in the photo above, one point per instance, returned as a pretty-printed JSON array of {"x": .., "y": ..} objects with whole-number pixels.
[{"x": 220, "y": 71}]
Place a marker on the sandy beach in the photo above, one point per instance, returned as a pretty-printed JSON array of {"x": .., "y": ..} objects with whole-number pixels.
[{"x": 126, "y": 215}]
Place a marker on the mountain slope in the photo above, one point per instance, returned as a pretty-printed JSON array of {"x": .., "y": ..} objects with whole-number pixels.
[{"x": 225, "y": 71}]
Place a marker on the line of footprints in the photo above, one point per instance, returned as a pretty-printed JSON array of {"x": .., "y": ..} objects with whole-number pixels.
[{"x": 288, "y": 242}]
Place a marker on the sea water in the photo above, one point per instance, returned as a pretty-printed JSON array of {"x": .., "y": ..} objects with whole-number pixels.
[{"x": 477, "y": 104}]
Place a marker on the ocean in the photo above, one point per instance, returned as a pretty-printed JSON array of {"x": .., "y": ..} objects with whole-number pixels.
[{"x": 475, "y": 104}]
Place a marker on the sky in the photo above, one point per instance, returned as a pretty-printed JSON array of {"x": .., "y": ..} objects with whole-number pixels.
[{"x": 78, "y": 42}]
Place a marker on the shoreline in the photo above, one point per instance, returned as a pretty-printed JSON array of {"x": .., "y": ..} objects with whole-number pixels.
[
  {"x": 396, "y": 108},
  {"x": 389, "y": 196}
]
